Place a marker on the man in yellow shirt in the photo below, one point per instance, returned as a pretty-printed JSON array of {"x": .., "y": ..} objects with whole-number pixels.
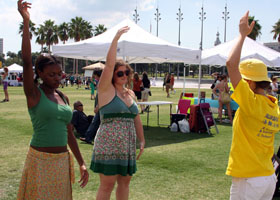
[{"x": 255, "y": 123}]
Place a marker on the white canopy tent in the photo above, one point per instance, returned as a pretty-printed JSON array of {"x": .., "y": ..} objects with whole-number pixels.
[
  {"x": 90, "y": 68},
  {"x": 136, "y": 46},
  {"x": 14, "y": 68},
  {"x": 251, "y": 49}
]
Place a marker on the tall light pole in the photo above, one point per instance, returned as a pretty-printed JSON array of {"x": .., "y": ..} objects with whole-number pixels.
[
  {"x": 202, "y": 18},
  {"x": 157, "y": 14},
  {"x": 225, "y": 17},
  {"x": 179, "y": 18},
  {"x": 136, "y": 16}
]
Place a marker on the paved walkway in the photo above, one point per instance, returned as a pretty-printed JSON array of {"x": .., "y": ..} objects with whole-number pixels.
[{"x": 179, "y": 84}]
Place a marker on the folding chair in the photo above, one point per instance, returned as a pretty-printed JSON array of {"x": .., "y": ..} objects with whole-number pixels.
[
  {"x": 182, "y": 111},
  {"x": 208, "y": 117}
]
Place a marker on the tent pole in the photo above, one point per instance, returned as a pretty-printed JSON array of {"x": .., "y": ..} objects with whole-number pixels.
[
  {"x": 199, "y": 76},
  {"x": 178, "y": 65},
  {"x": 156, "y": 70},
  {"x": 184, "y": 80}
]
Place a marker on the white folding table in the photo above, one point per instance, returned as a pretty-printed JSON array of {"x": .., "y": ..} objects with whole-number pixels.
[{"x": 155, "y": 103}]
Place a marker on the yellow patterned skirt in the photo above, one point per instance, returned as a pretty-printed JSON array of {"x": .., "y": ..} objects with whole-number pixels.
[{"x": 47, "y": 176}]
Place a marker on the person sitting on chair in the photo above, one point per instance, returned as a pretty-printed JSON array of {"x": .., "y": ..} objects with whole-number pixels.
[{"x": 80, "y": 120}]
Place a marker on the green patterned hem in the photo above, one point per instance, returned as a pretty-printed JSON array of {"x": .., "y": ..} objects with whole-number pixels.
[
  {"x": 111, "y": 170},
  {"x": 121, "y": 115}
]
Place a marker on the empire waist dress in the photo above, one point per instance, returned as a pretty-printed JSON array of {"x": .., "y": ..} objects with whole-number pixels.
[{"x": 114, "y": 149}]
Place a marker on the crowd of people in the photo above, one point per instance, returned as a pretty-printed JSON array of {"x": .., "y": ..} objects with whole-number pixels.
[{"x": 48, "y": 171}]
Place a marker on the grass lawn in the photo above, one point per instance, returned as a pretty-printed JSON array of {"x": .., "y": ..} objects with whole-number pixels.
[{"x": 173, "y": 166}]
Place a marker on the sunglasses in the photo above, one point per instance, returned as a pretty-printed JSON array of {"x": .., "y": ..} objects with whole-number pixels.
[
  {"x": 81, "y": 105},
  {"x": 122, "y": 73}
]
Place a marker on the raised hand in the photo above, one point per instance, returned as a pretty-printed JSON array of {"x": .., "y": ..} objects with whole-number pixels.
[
  {"x": 244, "y": 27},
  {"x": 23, "y": 9},
  {"x": 121, "y": 31}
]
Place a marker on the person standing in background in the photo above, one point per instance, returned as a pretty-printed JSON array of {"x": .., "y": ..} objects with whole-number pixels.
[
  {"x": 167, "y": 84},
  {"x": 274, "y": 86},
  {"x": 137, "y": 84},
  {"x": 92, "y": 87},
  {"x": 94, "y": 125},
  {"x": 5, "y": 84},
  {"x": 172, "y": 81},
  {"x": 146, "y": 91}
]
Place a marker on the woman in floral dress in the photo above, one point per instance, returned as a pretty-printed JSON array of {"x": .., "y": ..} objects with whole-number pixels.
[{"x": 114, "y": 153}]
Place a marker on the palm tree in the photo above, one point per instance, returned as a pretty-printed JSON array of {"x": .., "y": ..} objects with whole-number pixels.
[
  {"x": 100, "y": 28},
  {"x": 79, "y": 30},
  {"x": 87, "y": 30},
  {"x": 76, "y": 30},
  {"x": 63, "y": 32},
  {"x": 276, "y": 31},
  {"x": 51, "y": 33},
  {"x": 32, "y": 29},
  {"x": 256, "y": 32},
  {"x": 41, "y": 36}
]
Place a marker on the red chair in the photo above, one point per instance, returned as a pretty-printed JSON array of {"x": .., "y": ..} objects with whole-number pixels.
[
  {"x": 186, "y": 95},
  {"x": 183, "y": 106},
  {"x": 182, "y": 111}
]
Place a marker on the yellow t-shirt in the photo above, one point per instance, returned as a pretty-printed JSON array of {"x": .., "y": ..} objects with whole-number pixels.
[{"x": 255, "y": 123}]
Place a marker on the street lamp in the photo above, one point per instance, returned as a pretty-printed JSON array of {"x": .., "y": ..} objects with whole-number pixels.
[
  {"x": 157, "y": 14},
  {"x": 136, "y": 16},
  {"x": 202, "y": 18},
  {"x": 179, "y": 18},
  {"x": 225, "y": 17}
]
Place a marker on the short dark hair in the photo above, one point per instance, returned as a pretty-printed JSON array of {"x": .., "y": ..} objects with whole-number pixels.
[
  {"x": 262, "y": 84},
  {"x": 97, "y": 72},
  {"x": 77, "y": 104}
]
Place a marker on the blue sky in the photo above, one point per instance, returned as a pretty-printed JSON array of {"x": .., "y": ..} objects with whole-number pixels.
[{"x": 111, "y": 12}]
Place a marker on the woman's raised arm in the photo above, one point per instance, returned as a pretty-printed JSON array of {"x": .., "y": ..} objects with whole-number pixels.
[
  {"x": 30, "y": 89},
  {"x": 107, "y": 74}
]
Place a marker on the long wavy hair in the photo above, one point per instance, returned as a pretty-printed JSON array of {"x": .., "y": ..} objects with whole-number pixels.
[{"x": 120, "y": 63}]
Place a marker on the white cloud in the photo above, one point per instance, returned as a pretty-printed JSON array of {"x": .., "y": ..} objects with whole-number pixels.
[
  {"x": 43, "y": 10},
  {"x": 145, "y": 5},
  {"x": 115, "y": 17}
]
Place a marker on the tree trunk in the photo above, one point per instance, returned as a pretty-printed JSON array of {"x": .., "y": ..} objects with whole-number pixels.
[
  {"x": 74, "y": 62},
  {"x": 77, "y": 63}
]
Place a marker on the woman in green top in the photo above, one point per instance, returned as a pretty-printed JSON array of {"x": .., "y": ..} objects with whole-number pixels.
[
  {"x": 48, "y": 170},
  {"x": 92, "y": 86}
]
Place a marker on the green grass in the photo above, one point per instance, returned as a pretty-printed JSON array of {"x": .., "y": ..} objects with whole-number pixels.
[{"x": 173, "y": 166}]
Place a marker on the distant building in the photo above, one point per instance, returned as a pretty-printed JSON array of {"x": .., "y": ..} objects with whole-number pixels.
[
  {"x": 273, "y": 45},
  {"x": 218, "y": 41},
  {"x": 1, "y": 46}
]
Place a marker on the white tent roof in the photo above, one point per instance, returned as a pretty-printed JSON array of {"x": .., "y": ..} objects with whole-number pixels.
[
  {"x": 251, "y": 49},
  {"x": 137, "y": 46},
  {"x": 14, "y": 68}
]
